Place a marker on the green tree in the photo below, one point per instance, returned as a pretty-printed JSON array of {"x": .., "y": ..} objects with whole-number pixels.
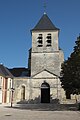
[{"x": 70, "y": 73}]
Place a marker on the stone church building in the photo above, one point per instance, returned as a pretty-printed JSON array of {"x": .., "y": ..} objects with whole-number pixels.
[{"x": 40, "y": 83}]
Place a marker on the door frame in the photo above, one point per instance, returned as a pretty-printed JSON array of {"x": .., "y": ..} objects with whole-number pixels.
[{"x": 45, "y": 93}]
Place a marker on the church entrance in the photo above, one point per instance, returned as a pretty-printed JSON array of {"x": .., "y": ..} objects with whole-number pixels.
[{"x": 45, "y": 93}]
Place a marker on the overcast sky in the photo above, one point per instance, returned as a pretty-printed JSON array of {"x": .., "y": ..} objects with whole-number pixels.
[{"x": 18, "y": 17}]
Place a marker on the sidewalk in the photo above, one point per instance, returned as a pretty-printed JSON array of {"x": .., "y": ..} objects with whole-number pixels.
[{"x": 37, "y": 112}]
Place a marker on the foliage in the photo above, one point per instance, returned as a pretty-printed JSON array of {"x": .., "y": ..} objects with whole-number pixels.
[{"x": 70, "y": 73}]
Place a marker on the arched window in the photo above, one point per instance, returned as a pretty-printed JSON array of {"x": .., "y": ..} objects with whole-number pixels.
[{"x": 22, "y": 92}]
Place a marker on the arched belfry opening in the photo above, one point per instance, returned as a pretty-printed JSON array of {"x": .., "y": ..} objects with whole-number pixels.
[{"x": 45, "y": 93}]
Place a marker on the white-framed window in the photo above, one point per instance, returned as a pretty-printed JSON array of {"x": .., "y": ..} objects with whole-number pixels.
[{"x": 0, "y": 83}]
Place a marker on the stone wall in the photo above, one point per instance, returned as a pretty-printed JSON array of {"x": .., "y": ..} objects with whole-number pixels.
[
  {"x": 54, "y": 39},
  {"x": 33, "y": 89},
  {"x": 18, "y": 83},
  {"x": 45, "y": 57},
  {"x": 48, "y": 61}
]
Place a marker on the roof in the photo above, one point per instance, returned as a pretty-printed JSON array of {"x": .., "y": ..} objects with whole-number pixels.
[
  {"x": 45, "y": 24},
  {"x": 18, "y": 72},
  {"x": 5, "y": 72}
]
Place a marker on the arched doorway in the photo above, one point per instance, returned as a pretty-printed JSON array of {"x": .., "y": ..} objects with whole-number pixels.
[
  {"x": 22, "y": 92},
  {"x": 45, "y": 93}
]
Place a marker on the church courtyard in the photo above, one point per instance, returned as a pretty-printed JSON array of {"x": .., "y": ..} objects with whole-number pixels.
[{"x": 38, "y": 112}]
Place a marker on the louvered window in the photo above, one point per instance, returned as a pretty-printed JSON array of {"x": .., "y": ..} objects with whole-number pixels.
[
  {"x": 40, "y": 40},
  {"x": 48, "y": 41}
]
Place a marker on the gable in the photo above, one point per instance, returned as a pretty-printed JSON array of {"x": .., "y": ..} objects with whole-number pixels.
[{"x": 44, "y": 74}]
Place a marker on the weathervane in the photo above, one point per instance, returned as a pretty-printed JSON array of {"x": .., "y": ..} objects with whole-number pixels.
[{"x": 44, "y": 7}]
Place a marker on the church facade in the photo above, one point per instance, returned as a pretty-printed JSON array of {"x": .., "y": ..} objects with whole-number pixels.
[{"x": 41, "y": 82}]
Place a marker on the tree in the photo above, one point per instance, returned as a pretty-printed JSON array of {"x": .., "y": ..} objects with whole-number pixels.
[{"x": 70, "y": 73}]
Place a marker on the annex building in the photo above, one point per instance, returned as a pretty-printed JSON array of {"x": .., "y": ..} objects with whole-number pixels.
[{"x": 6, "y": 82}]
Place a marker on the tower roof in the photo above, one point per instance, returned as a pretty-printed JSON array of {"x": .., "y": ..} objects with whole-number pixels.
[{"x": 45, "y": 24}]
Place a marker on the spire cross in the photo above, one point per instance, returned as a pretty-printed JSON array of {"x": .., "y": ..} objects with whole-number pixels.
[{"x": 44, "y": 7}]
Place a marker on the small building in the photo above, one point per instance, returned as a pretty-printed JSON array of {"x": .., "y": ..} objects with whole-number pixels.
[{"x": 6, "y": 81}]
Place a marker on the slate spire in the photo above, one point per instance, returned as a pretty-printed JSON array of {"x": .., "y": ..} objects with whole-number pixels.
[{"x": 45, "y": 24}]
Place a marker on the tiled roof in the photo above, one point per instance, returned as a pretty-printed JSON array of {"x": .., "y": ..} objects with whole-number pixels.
[
  {"x": 5, "y": 72},
  {"x": 19, "y": 72},
  {"x": 44, "y": 24}
]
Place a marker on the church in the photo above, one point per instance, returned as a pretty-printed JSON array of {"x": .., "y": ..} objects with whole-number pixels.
[{"x": 40, "y": 82}]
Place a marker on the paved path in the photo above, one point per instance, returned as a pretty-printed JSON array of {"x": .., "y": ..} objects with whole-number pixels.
[{"x": 22, "y": 113}]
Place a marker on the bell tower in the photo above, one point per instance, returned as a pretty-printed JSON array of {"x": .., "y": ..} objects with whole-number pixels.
[{"x": 45, "y": 48}]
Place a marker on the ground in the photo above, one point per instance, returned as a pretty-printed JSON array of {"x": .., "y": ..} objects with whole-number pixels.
[{"x": 39, "y": 112}]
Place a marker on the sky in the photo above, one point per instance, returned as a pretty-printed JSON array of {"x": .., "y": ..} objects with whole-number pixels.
[{"x": 18, "y": 17}]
